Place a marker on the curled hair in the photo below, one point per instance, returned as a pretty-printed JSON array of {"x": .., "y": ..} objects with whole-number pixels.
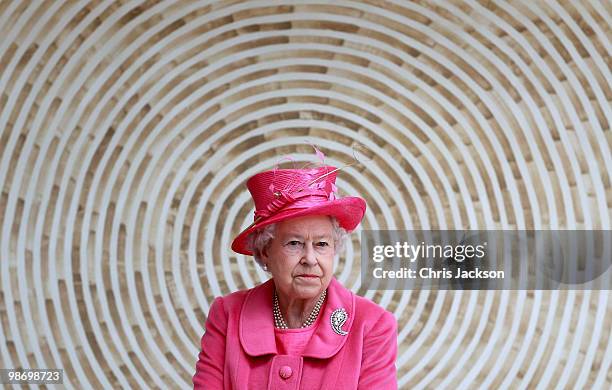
[{"x": 261, "y": 238}]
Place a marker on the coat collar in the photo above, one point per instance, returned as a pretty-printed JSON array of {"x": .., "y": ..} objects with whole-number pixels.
[{"x": 257, "y": 324}]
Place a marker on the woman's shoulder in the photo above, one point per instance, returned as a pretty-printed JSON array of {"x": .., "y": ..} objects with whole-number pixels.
[
  {"x": 234, "y": 300},
  {"x": 236, "y": 296},
  {"x": 372, "y": 314}
]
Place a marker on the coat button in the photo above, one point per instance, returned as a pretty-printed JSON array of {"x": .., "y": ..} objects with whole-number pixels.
[{"x": 285, "y": 372}]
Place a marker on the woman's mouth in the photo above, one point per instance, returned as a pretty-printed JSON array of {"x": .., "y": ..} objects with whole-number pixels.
[{"x": 308, "y": 276}]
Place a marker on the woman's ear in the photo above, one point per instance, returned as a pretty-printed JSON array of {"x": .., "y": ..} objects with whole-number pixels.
[{"x": 264, "y": 254}]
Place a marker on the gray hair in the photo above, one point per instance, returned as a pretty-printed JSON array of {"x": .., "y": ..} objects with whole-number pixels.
[{"x": 259, "y": 239}]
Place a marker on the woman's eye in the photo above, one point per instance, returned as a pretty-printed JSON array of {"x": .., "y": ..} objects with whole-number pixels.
[
  {"x": 294, "y": 243},
  {"x": 323, "y": 243}
]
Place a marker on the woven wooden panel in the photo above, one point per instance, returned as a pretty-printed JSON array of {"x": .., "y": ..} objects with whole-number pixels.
[{"x": 128, "y": 129}]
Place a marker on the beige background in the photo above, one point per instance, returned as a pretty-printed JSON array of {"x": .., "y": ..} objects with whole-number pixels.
[{"x": 128, "y": 129}]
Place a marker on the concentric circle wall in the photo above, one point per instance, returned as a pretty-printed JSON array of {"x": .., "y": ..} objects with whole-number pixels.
[{"x": 128, "y": 130}]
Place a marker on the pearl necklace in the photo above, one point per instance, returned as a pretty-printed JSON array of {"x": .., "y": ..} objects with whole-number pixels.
[{"x": 279, "y": 321}]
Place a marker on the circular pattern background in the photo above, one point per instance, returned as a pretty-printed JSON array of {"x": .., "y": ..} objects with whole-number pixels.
[{"x": 128, "y": 130}]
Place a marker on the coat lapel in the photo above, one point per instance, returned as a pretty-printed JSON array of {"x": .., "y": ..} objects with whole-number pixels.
[
  {"x": 256, "y": 321},
  {"x": 257, "y": 324},
  {"x": 324, "y": 342}
]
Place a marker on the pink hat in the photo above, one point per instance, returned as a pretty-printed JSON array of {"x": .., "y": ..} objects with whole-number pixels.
[{"x": 281, "y": 194}]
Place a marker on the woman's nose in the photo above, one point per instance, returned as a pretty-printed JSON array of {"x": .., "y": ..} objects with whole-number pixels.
[{"x": 309, "y": 255}]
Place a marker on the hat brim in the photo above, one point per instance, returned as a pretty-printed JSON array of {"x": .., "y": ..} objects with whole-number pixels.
[{"x": 349, "y": 212}]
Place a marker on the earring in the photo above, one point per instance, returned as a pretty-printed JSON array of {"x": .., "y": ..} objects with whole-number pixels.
[{"x": 265, "y": 267}]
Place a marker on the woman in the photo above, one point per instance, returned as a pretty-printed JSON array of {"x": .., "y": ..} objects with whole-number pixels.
[{"x": 301, "y": 329}]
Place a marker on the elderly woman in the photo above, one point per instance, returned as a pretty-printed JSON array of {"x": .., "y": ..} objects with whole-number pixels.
[{"x": 301, "y": 329}]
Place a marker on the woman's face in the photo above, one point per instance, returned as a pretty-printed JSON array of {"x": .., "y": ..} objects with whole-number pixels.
[{"x": 301, "y": 256}]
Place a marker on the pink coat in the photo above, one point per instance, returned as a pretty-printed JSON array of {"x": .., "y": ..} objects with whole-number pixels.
[{"x": 239, "y": 347}]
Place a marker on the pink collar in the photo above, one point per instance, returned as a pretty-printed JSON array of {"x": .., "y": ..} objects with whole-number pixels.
[{"x": 257, "y": 325}]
